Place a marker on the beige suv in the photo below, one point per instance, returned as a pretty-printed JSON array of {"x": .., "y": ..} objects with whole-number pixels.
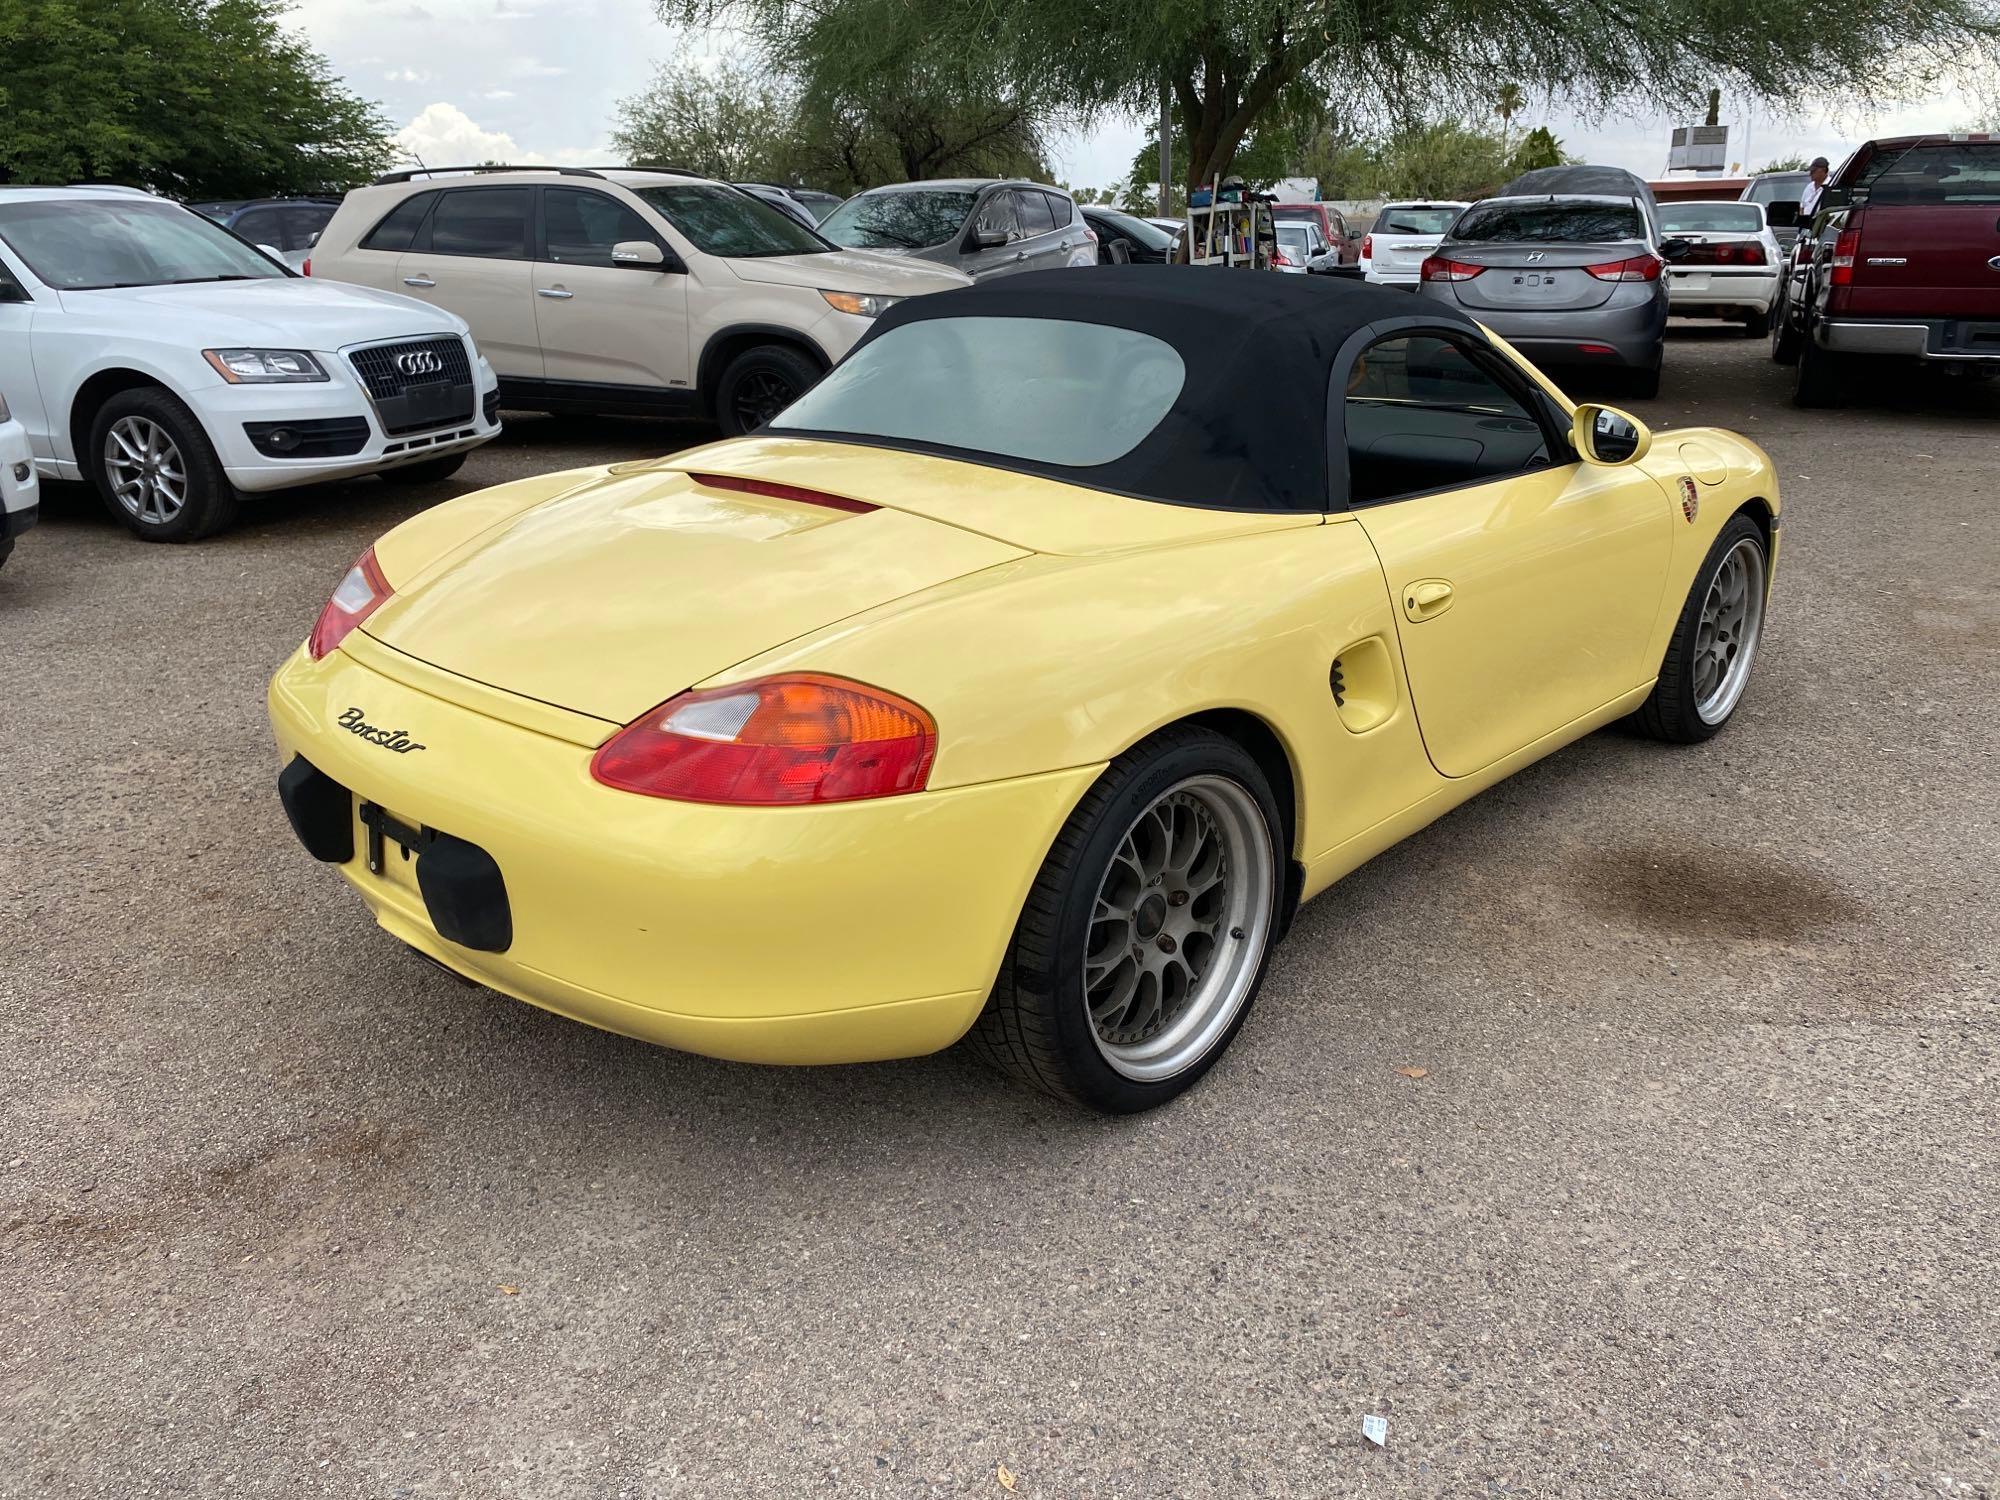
[{"x": 621, "y": 290}]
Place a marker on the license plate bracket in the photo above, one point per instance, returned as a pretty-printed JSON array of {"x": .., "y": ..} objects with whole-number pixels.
[
  {"x": 432, "y": 404},
  {"x": 385, "y": 828}
]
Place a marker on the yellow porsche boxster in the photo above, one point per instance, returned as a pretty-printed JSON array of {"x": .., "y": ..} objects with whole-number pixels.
[{"x": 1020, "y": 680}]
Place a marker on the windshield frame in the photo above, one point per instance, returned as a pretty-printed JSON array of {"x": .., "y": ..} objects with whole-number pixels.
[
  {"x": 884, "y": 195},
  {"x": 256, "y": 267},
  {"x": 645, "y": 192}
]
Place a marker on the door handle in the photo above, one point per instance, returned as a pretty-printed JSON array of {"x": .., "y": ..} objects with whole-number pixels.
[
  {"x": 1020, "y": 255},
  {"x": 1426, "y": 599},
  {"x": 554, "y": 291},
  {"x": 418, "y": 281}
]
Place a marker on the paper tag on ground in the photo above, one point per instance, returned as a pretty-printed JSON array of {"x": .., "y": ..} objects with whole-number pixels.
[{"x": 1376, "y": 1430}]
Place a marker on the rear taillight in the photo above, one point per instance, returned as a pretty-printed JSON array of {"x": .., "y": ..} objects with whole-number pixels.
[
  {"x": 1746, "y": 253},
  {"x": 774, "y": 742},
  {"x": 307, "y": 268},
  {"x": 1278, "y": 258},
  {"x": 357, "y": 596},
  {"x": 1844, "y": 247},
  {"x": 1367, "y": 247},
  {"x": 1438, "y": 268},
  {"x": 1636, "y": 268}
]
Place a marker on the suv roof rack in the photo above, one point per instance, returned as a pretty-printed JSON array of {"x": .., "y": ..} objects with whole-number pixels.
[
  {"x": 412, "y": 173},
  {"x": 654, "y": 166}
]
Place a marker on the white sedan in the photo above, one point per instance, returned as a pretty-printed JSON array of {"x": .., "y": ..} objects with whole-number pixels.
[
  {"x": 1402, "y": 237},
  {"x": 1729, "y": 265},
  {"x": 20, "y": 487}
]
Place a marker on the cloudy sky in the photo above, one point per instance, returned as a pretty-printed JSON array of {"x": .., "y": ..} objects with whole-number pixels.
[{"x": 539, "y": 80}]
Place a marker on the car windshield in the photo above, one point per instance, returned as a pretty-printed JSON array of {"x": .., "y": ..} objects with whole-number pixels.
[
  {"x": 1710, "y": 218},
  {"x": 87, "y": 245},
  {"x": 1782, "y": 189},
  {"x": 1949, "y": 172},
  {"x": 1553, "y": 220},
  {"x": 899, "y": 221},
  {"x": 728, "y": 222},
  {"x": 1400, "y": 220},
  {"x": 1150, "y": 235},
  {"x": 1041, "y": 389}
]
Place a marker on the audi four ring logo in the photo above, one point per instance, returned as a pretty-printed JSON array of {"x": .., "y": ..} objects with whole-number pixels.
[{"x": 419, "y": 362}]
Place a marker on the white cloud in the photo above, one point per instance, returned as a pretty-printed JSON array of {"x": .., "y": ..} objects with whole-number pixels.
[
  {"x": 498, "y": 94},
  {"x": 529, "y": 67},
  {"x": 406, "y": 75},
  {"x": 443, "y": 135}
]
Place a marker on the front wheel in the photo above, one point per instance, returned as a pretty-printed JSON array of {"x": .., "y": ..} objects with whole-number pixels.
[
  {"x": 758, "y": 384},
  {"x": 1757, "y": 325},
  {"x": 1784, "y": 334},
  {"x": 1714, "y": 643},
  {"x": 157, "y": 470},
  {"x": 1145, "y": 937}
]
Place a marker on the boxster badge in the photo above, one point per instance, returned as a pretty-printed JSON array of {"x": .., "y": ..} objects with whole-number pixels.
[{"x": 1690, "y": 499}]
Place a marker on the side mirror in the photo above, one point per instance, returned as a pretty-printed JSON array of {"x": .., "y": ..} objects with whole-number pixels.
[
  {"x": 273, "y": 251},
  {"x": 1606, "y": 435},
  {"x": 988, "y": 239},
  {"x": 313, "y": 238},
  {"x": 1781, "y": 215},
  {"x": 1676, "y": 249},
  {"x": 638, "y": 255}
]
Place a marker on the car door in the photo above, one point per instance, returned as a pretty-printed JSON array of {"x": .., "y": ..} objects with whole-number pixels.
[
  {"x": 600, "y": 323},
  {"x": 995, "y": 215},
  {"x": 1039, "y": 247},
  {"x": 472, "y": 258},
  {"x": 1526, "y": 584},
  {"x": 17, "y": 367},
  {"x": 1073, "y": 244}
]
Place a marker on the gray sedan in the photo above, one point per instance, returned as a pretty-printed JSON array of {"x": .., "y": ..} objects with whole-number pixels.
[
  {"x": 983, "y": 227},
  {"x": 1570, "y": 279}
]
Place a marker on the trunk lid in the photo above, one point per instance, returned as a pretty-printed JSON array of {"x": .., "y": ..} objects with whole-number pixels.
[
  {"x": 1535, "y": 277},
  {"x": 1404, "y": 252},
  {"x": 617, "y": 596}
]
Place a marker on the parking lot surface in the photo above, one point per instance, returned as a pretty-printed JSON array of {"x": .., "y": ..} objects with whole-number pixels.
[{"x": 1696, "y": 1195}]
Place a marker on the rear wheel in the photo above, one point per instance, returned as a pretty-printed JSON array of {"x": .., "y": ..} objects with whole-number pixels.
[
  {"x": 1757, "y": 325},
  {"x": 758, "y": 384},
  {"x": 6, "y": 551},
  {"x": 430, "y": 471},
  {"x": 156, "y": 469},
  {"x": 1146, "y": 935},
  {"x": 1784, "y": 336},
  {"x": 1714, "y": 643},
  {"x": 1821, "y": 377}
]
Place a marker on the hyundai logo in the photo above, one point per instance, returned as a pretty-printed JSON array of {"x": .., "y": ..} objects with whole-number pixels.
[
  {"x": 419, "y": 362},
  {"x": 1534, "y": 256}
]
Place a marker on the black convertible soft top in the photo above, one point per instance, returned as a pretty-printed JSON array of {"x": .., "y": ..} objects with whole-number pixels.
[{"x": 1248, "y": 430}]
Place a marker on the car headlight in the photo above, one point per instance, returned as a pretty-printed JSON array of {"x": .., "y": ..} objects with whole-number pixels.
[
  {"x": 861, "y": 304},
  {"x": 264, "y": 366}
]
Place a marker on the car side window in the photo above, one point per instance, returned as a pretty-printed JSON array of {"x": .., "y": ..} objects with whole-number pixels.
[
  {"x": 1033, "y": 209},
  {"x": 997, "y": 216},
  {"x": 398, "y": 229},
  {"x": 1421, "y": 413},
  {"x": 1062, "y": 208},
  {"x": 579, "y": 227},
  {"x": 302, "y": 222},
  {"x": 261, "y": 226},
  {"x": 490, "y": 223}
]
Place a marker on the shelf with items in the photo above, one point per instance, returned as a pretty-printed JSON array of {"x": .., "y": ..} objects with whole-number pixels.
[{"x": 1231, "y": 234}]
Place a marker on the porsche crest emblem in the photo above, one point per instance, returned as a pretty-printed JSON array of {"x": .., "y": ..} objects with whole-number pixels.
[{"x": 1690, "y": 499}]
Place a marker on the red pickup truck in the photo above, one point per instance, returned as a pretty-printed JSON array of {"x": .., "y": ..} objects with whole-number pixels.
[{"x": 1902, "y": 261}]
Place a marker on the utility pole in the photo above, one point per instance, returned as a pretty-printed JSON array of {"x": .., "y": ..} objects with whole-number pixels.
[{"x": 1166, "y": 149}]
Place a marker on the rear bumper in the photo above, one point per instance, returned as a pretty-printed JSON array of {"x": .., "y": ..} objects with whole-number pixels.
[
  {"x": 841, "y": 933},
  {"x": 1628, "y": 337},
  {"x": 1745, "y": 289},
  {"x": 1956, "y": 340}
]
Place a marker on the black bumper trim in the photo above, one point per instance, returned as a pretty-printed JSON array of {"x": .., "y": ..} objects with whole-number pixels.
[
  {"x": 14, "y": 522},
  {"x": 320, "y": 809}
]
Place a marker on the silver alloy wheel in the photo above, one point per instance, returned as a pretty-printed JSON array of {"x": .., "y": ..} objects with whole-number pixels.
[
  {"x": 1178, "y": 927},
  {"x": 148, "y": 475},
  {"x": 1725, "y": 640}
]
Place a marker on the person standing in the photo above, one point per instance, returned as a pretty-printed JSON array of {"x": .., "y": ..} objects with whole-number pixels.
[{"x": 1814, "y": 189}]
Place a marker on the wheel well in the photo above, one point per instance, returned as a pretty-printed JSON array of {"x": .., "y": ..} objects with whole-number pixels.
[
  {"x": 90, "y": 399},
  {"x": 725, "y": 346},
  {"x": 1758, "y": 509},
  {"x": 1262, "y": 744}
]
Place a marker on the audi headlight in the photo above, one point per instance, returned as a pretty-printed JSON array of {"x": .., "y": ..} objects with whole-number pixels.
[
  {"x": 264, "y": 366},
  {"x": 861, "y": 304}
]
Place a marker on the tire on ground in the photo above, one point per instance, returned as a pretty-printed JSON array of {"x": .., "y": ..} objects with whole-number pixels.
[
  {"x": 1669, "y": 713},
  {"x": 1037, "y": 1026},
  {"x": 754, "y": 379},
  {"x": 211, "y": 500}
]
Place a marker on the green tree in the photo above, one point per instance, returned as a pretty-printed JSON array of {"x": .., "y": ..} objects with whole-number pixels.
[
  {"x": 1507, "y": 102},
  {"x": 1538, "y": 148},
  {"x": 1786, "y": 164},
  {"x": 1229, "y": 63},
  {"x": 733, "y": 123},
  {"x": 195, "y": 98}
]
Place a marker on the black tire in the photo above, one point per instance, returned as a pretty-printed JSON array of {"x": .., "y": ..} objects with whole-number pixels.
[
  {"x": 210, "y": 501},
  {"x": 6, "y": 551},
  {"x": 1670, "y": 713},
  {"x": 1784, "y": 334},
  {"x": 758, "y": 384},
  {"x": 1037, "y": 1026},
  {"x": 1757, "y": 325},
  {"x": 430, "y": 471},
  {"x": 1821, "y": 378},
  {"x": 1644, "y": 385}
]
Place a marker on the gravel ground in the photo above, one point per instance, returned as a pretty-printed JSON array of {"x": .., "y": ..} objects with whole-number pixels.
[{"x": 1696, "y": 1199}]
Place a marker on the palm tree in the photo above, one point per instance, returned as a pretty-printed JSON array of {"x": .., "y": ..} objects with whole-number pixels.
[{"x": 1507, "y": 102}]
